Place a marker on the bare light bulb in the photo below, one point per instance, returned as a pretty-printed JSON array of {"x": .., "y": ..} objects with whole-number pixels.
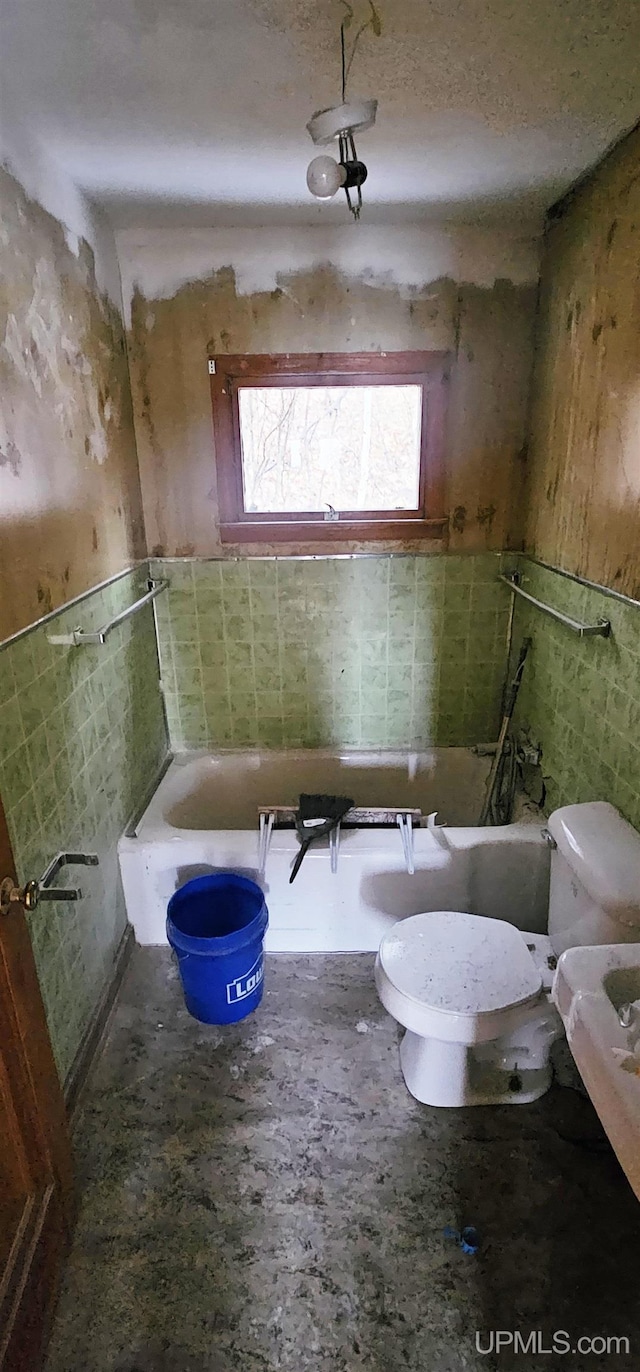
[{"x": 325, "y": 176}]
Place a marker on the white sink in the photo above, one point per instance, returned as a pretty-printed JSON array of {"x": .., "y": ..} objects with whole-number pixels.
[{"x": 590, "y": 986}]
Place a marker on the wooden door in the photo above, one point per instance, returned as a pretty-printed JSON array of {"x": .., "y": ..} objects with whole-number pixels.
[{"x": 36, "y": 1195}]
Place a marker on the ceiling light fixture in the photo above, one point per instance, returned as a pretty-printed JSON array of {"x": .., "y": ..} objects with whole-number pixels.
[{"x": 325, "y": 176}]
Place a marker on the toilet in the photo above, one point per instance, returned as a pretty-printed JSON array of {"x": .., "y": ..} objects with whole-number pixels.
[{"x": 474, "y": 994}]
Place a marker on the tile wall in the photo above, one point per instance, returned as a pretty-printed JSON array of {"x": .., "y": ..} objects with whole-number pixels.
[
  {"x": 368, "y": 652},
  {"x": 82, "y": 734},
  {"x": 580, "y": 698},
  {"x": 371, "y": 652}
]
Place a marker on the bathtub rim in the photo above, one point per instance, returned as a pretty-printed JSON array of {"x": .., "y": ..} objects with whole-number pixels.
[
  {"x": 152, "y": 809},
  {"x": 152, "y": 827}
]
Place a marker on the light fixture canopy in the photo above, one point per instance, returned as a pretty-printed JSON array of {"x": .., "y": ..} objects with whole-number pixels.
[{"x": 326, "y": 125}]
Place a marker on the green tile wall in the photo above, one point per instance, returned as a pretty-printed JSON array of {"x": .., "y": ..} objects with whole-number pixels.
[
  {"x": 369, "y": 652},
  {"x": 81, "y": 736},
  {"x": 580, "y": 698}
]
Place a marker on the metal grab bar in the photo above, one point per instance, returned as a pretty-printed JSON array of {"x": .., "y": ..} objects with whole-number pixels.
[
  {"x": 49, "y": 892},
  {"x": 80, "y": 636},
  {"x": 602, "y": 628}
]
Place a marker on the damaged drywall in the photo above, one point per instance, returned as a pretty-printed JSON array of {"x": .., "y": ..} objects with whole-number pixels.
[
  {"x": 486, "y": 327},
  {"x": 38, "y": 346},
  {"x": 70, "y": 511},
  {"x": 584, "y": 494},
  {"x": 41, "y": 175},
  {"x": 157, "y": 263}
]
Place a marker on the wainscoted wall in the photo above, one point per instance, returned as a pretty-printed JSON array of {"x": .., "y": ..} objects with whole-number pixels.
[
  {"x": 81, "y": 736},
  {"x": 375, "y": 651},
  {"x": 584, "y": 495},
  {"x": 580, "y": 698},
  {"x": 471, "y": 293}
]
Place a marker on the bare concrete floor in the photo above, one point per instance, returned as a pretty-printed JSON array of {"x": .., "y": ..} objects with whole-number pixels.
[{"x": 269, "y": 1196}]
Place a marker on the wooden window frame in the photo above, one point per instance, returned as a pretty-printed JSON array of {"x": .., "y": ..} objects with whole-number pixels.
[{"x": 229, "y": 372}]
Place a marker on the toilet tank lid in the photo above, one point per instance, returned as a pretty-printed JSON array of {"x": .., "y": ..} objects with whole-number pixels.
[{"x": 604, "y": 852}]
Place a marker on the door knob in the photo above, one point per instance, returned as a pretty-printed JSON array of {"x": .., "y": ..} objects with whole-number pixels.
[
  {"x": 30, "y": 895},
  {"x": 27, "y": 896}
]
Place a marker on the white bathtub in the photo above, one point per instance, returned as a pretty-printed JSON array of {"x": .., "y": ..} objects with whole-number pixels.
[{"x": 203, "y": 818}]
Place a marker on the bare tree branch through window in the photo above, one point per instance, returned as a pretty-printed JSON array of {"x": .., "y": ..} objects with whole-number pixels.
[{"x": 351, "y": 447}]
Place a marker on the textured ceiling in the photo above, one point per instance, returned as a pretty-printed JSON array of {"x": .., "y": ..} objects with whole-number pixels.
[{"x": 172, "y": 111}]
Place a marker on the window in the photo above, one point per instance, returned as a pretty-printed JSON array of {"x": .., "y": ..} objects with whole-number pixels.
[{"x": 330, "y": 445}]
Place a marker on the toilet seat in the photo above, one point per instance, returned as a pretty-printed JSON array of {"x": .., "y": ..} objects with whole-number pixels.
[{"x": 456, "y": 977}]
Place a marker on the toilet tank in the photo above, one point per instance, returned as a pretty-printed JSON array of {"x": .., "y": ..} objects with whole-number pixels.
[{"x": 594, "y": 894}]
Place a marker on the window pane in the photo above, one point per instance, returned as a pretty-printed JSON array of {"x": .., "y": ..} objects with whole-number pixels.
[{"x": 352, "y": 447}]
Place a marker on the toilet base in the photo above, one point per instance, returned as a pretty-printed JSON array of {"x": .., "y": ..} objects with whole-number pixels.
[{"x": 513, "y": 1070}]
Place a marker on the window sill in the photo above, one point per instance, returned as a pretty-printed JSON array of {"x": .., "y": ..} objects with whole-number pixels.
[{"x": 330, "y": 530}]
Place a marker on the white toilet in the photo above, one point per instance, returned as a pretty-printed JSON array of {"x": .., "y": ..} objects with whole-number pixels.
[{"x": 474, "y": 994}]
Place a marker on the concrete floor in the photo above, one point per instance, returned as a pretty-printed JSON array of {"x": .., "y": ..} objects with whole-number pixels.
[{"x": 269, "y": 1196}]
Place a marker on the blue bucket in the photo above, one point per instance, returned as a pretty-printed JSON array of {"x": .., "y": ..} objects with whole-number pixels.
[{"x": 216, "y": 926}]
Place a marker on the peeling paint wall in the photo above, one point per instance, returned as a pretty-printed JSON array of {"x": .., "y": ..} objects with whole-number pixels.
[
  {"x": 70, "y": 508},
  {"x": 45, "y": 181},
  {"x": 265, "y": 301},
  {"x": 584, "y": 495}
]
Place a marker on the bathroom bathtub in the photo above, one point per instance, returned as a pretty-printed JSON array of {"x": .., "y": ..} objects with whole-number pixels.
[{"x": 203, "y": 818}]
